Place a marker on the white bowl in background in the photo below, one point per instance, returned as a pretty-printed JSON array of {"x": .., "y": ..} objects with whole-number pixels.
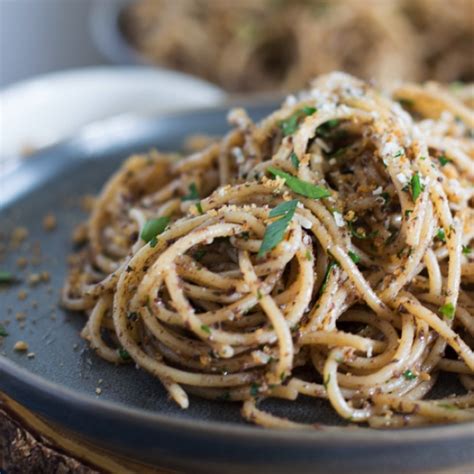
[{"x": 41, "y": 111}]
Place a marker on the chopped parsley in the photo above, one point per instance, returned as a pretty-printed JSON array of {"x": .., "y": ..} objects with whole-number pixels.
[
  {"x": 294, "y": 160},
  {"x": 199, "y": 254},
  {"x": 409, "y": 375},
  {"x": 290, "y": 125},
  {"x": 206, "y": 328},
  {"x": 3, "y": 331},
  {"x": 7, "y": 277},
  {"x": 199, "y": 207},
  {"x": 441, "y": 235},
  {"x": 325, "y": 128},
  {"x": 331, "y": 264},
  {"x": 193, "y": 193},
  {"x": 276, "y": 230},
  {"x": 447, "y": 310},
  {"x": 362, "y": 235},
  {"x": 154, "y": 227},
  {"x": 254, "y": 389},
  {"x": 398, "y": 154},
  {"x": 466, "y": 250},
  {"x": 326, "y": 381},
  {"x": 123, "y": 354},
  {"x": 407, "y": 213},
  {"x": 448, "y": 406},
  {"x": 386, "y": 198},
  {"x": 354, "y": 257},
  {"x": 406, "y": 102},
  {"x": 443, "y": 160},
  {"x": 308, "y": 256},
  {"x": 416, "y": 186},
  {"x": 300, "y": 187}
]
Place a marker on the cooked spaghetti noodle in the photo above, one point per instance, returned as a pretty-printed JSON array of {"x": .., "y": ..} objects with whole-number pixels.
[{"x": 324, "y": 251}]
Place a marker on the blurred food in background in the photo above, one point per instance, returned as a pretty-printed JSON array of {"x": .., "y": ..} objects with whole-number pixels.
[{"x": 249, "y": 45}]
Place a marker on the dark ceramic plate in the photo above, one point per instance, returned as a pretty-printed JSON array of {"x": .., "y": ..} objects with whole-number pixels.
[{"x": 133, "y": 414}]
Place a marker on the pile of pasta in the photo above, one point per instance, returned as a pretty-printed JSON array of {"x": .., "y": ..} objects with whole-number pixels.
[
  {"x": 324, "y": 252},
  {"x": 254, "y": 45}
]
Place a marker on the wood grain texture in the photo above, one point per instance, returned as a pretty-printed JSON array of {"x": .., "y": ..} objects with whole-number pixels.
[{"x": 30, "y": 445}]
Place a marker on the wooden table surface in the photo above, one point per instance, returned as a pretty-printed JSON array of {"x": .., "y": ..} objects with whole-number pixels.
[{"x": 30, "y": 445}]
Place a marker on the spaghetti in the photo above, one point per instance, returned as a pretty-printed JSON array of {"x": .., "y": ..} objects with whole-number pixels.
[
  {"x": 277, "y": 44},
  {"x": 324, "y": 251}
]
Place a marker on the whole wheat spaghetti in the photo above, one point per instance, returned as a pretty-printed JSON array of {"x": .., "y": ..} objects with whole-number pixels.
[{"x": 324, "y": 251}]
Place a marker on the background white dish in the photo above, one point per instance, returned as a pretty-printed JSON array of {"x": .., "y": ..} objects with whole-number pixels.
[{"x": 44, "y": 110}]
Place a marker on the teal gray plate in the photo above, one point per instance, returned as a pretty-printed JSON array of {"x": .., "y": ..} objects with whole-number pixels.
[{"x": 133, "y": 415}]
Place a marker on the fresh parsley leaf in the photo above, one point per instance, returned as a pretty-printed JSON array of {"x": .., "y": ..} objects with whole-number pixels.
[
  {"x": 466, "y": 250},
  {"x": 199, "y": 207},
  {"x": 307, "y": 110},
  {"x": 354, "y": 257},
  {"x": 361, "y": 235},
  {"x": 193, "y": 193},
  {"x": 3, "y": 331},
  {"x": 154, "y": 227},
  {"x": 7, "y": 277},
  {"x": 416, "y": 186},
  {"x": 406, "y": 102},
  {"x": 331, "y": 264},
  {"x": 325, "y": 128},
  {"x": 294, "y": 160},
  {"x": 123, "y": 354},
  {"x": 284, "y": 207},
  {"x": 290, "y": 124},
  {"x": 206, "y": 328},
  {"x": 441, "y": 235},
  {"x": 448, "y": 406},
  {"x": 254, "y": 388},
  {"x": 300, "y": 187},
  {"x": 276, "y": 230},
  {"x": 409, "y": 375},
  {"x": 447, "y": 310},
  {"x": 443, "y": 160}
]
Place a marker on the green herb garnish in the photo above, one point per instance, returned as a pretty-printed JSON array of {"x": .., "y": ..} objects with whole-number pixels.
[
  {"x": 199, "y": 207},
  {"x": 154, "y": 227},
  {"x": 447, "y": 310},
  {"x": 416, "y": 186},
  {"x": 409, "y": 375},
  {"x": 7, "y": 277},
  {"x": 300, "y": 187},
  {"x": 326, "y": 382},
  {"x": 206, "y": 328},
  {"x": 308, "y": 255},
  {"x": 3, "y": 331},
  {"x": 466, "y": 250},
  {"x": 290, "y": 125},
  {"x": 354, "y": 257},
  {"x": 325, "y": 128},
  {"x": 275, "y": 231},
  {"x": 407, "y": 213},
  {"x": 406, "y": 102},
  {"x": 443, "y": 160},
  {"x": 294, "y": 160},
  {"x": 193, "y": 193},
  {"x": 254, "y": 388},
  {"x": 331, "y": 264},
  {"x": 441, "y": 235},
  {"x": 361, "y": 235},
  {"x": 448, "y": 406},
  {"x": 123, "y": 354}
]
